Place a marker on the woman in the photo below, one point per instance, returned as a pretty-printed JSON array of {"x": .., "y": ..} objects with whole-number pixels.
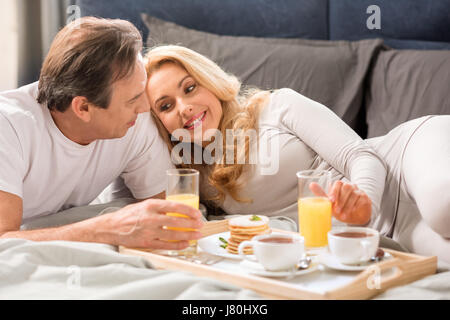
[{"x": 397, "y": 184}]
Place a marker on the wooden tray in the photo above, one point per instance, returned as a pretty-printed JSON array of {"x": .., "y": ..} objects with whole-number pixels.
[{"x": 403, "y": 268}]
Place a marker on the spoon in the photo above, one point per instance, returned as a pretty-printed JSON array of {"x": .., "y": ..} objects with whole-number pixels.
[
  {"x": 304, "y": 263},
  {"x": 379, "y": 255}
]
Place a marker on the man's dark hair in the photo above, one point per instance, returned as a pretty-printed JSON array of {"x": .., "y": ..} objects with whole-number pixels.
[{"x": 85, "y": 59}]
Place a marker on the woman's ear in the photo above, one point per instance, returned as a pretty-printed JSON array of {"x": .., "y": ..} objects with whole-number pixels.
[{"x": 81, "y": 108}]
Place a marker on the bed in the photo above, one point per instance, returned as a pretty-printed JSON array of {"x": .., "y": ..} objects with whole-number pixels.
[{"x": 76, "y": 270}]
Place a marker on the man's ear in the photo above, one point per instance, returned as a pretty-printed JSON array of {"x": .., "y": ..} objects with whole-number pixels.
[{"x": 82, "y": 108}]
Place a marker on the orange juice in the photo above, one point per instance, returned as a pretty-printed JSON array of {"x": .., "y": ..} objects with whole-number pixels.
[
  {"x": 314, "y": 218},
  {"x": 188, "y": 199}
]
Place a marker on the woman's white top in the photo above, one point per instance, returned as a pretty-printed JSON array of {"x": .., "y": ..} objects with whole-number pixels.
[{"x": 302, "y": 134}]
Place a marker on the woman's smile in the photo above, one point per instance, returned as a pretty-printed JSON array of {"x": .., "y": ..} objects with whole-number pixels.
[{"x": 195, "y": 121}]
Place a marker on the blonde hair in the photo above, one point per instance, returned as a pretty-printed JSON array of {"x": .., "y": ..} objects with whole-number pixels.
[{"x": 240, "y": 112}]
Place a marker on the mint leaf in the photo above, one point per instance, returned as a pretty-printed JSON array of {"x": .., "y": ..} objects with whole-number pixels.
[{"x": 223, "y": 240}]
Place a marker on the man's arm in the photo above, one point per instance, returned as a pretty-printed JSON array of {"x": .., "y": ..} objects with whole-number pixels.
[
  {"x": 139, "y": 225},
  {"x": 11, "y": 210}
]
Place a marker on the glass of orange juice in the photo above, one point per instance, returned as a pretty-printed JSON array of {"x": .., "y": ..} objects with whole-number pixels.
[
  {"x": 183, "y": 187},
  {"x": 314, "y": 211}
]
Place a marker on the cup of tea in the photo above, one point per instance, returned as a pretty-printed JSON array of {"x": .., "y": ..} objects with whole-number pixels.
[
  {"x": 276, "y": 252},
  {"x": 353, "y": 245}
]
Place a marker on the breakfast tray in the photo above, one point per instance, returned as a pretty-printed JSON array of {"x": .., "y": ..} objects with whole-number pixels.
[{"x": 323, "y": 283}]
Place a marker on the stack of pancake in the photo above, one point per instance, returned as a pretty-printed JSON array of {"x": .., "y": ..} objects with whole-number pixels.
[{"x": 245, "y": 228}]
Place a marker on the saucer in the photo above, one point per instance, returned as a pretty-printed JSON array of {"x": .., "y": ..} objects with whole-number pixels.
[
  {"x": 212, "y": 245},
  {"x": 331, "y": 261},
  {"x": 257, "y": 269}
]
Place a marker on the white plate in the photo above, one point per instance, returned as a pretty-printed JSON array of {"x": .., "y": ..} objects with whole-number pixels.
[
  {"x": 257, "y": 269},
  {"x": 212, "y": 245},
  {"x": 330, "y": 261}
]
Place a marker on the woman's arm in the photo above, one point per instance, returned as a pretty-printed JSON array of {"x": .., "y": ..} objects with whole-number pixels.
[{"x": 335, "y": 142}]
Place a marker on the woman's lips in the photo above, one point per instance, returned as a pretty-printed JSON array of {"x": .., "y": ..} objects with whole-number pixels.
[{"x": 195, "y": 121}]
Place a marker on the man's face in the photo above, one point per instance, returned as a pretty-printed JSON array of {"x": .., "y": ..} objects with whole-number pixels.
[{"x": 127, "y": 101}]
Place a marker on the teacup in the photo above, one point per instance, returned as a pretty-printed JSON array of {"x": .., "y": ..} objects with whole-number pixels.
[
  {"x": 276, "y": 252},
  {"x": 353, "y": 245}
]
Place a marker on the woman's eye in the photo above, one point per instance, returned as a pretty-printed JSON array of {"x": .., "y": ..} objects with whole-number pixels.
[
  {"x": 165, "y": 107},
  {"x": 190, "y": 88}
]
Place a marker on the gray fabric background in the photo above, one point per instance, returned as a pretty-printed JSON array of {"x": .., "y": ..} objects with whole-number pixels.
[
  {"x": 330, "y": 72},
  {"x": 407, "y": 84}
]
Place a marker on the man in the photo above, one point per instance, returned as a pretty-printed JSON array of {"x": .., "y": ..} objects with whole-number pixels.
[{"x": 87, "y": 122}]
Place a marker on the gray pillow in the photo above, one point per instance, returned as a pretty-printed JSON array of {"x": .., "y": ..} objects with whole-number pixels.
[
  {"x": 407, "y": 84},
  {"x": 330, "y": 72}
]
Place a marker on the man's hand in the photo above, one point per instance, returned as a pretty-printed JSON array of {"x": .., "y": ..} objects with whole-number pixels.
[
  {"x": 142, "y": 225},
  {"x": 139, "y": 225},
  {"x": 349, "y": 204}
]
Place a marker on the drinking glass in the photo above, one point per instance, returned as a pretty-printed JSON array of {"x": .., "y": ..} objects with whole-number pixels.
[
  {"x": 314, "y": 210},
  {"x": 183, "y": 187}
]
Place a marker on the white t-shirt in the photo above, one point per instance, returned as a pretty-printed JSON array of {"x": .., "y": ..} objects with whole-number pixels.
[{"x": 52, "y": 173}]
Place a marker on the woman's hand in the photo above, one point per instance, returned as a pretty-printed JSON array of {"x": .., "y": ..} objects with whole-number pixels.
[{"x": 349, "y": 204}]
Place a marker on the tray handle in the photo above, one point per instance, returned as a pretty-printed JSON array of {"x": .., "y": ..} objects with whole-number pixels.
[
  {"x": 374, "y": 278},
  {"x": 371, "y": 281}
]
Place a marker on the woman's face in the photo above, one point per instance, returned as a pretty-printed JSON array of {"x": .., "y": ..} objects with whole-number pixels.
[{"x": 180, "y": 102}]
